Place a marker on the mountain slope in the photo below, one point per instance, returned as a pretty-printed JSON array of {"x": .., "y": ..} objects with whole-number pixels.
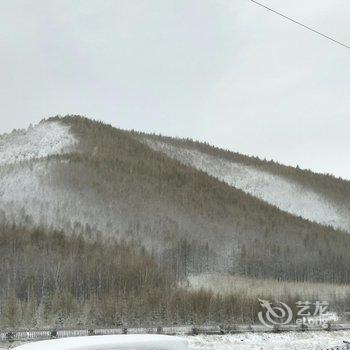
[
  {"x": 291, "y": 194},
  {"x": 107, "y": 182},
  {"x": 41, "y": 141}
]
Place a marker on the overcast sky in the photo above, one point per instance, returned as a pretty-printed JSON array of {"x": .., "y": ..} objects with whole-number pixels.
[{"x": 226, "y": 72}]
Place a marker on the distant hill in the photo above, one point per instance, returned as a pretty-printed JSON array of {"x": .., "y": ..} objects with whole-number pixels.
[{"x": 196, "y": 208}]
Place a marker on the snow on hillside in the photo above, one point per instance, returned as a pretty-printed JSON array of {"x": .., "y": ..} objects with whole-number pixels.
[
  {"x": 41, "y": 140},
  {"x": 33, "y": 191},
  {"x": 276, "y": 190},
  {"x": 39, "y": 194}
]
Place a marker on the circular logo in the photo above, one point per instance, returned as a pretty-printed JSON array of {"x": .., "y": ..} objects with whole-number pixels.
[{"x": 278, "y": 314}]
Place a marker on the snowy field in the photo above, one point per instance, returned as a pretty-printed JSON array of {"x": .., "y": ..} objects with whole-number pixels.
[
  {"x": 110, "y": 342},
  {"x": 266, "y": 288},
  {"x": 270, "y": 341},
  {"x": 245, "y": 341}
]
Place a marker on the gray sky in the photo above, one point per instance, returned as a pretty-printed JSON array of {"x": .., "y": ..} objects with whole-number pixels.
[{"x": 226, "y": 72}]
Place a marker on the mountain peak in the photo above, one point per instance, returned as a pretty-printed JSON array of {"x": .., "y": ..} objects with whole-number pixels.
[{"x": 44, "y": 139}]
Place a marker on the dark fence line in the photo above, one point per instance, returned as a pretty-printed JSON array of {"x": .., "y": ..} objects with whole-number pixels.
[{"x": 33, "y": 334}]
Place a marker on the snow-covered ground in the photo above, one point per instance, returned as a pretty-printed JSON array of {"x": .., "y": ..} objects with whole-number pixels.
[
  {"x": 270, "y": 341},
  {"x": 110, "y": 342},
  {"x": 287, "y": 195},
  {"x": 44, "y": 139},
  {"x": 246, "y": 341}
]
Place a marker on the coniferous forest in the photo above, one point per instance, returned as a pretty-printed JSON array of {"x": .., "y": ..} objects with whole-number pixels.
[{"x": 109, "y": 232}]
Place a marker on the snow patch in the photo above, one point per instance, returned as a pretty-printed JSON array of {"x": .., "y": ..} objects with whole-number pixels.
[
  {"x": 270, "y": 341},
  {"x": 32, "y": 192},
  {"x": 42, "y": 140},
  {"x": 244, "y": 341},
  {"x": 110, "y": 342},
  {"x": 287, "y": 195},
  {"x": 42, "y": 194}
]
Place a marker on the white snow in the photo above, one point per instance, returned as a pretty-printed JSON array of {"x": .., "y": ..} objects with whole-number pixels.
[
  {"x": 270, "y": 341},
  {"x": 320, "y": 340},
  {"x": 44, "y": 139},
  {"x": 33, "y": 191},
  {"x": 110, "y": 342},
  {"x": 42, "y": 195},
  {"x": 287, "y": 195}
]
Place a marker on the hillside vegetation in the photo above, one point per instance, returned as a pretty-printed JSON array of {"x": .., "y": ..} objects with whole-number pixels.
[
  {"x": 328, "y": 184},
  {"x": 101, "y": 226},
  {"x": 51, "y": 280},
  {"x": 111, "y": 184},
  {"x": 272, "y": 184}
]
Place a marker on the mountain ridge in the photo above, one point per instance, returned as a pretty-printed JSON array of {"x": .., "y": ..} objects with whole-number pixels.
[{"x": 333, "y": 194}]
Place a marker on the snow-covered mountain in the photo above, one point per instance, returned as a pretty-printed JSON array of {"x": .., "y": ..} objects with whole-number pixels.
[
  {"x": 40, "y": 141},
  {"x": 195, "y": 207}
]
